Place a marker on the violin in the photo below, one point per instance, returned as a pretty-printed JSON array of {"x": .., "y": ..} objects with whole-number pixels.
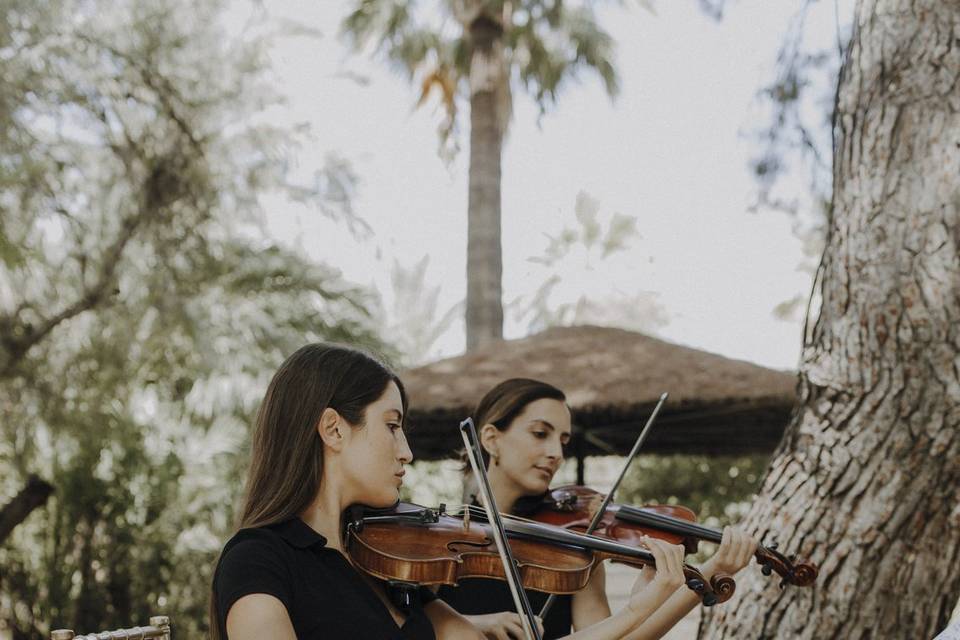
[
  {"x": 412, "y": 544},
  {"x": 569, "y": 507}
]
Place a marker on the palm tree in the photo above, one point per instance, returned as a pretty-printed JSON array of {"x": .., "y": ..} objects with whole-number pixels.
[{"x": 475, "y": 51}]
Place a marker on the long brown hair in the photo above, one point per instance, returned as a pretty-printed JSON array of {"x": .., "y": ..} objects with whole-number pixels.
[
  {"x": 286, "y": 459},
  {"x": 507, "y": 400}
]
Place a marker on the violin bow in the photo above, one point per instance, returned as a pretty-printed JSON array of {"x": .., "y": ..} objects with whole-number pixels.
[
  {"x": 598, "y": 516},
  {"x": 472, "y": 444}
]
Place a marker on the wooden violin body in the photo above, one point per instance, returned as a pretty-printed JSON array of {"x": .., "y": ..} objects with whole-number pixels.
[
  {"x": 425, "y": 546},
  {"x": 573, "y": 507},
  {"x": 570, "y": 507},
  {"x": 414, "y": 544}
]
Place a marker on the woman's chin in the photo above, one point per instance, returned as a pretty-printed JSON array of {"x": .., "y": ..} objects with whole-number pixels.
[
  {"x": 537, "y": 486},
  {"x": 383, "y": 500}
]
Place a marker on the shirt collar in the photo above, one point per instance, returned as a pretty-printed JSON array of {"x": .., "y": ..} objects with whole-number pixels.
[{"x": 299, "y": 534}]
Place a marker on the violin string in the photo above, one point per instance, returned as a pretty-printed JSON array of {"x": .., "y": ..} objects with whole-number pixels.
[
  {"x": 480, "y": 511},
  {"x": 475, "y": 510}
]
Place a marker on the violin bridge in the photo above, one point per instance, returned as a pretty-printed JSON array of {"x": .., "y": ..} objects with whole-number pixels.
[{"x": 466, "y": 519}]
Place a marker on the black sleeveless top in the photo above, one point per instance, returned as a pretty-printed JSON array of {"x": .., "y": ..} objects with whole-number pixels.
[
  {"x": 478, "y": 596},
  {"x": 323, "y": 593}
]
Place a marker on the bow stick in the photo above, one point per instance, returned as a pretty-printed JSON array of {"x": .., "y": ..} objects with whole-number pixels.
[{"x": 472, "y": 445}]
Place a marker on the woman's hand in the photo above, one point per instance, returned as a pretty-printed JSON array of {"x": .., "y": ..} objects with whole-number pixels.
[
  {"x": 668, "y": 578},
  {"x": 644, "y": 577},
  {"x": 736, "y": 549},
  {"x": 669, "y": 559},
  {"x": 501, "y": 626}
]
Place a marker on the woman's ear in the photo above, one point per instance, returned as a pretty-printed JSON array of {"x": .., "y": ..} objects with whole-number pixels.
[
  {"x": 490, "y": 441},
  {"x": 330, "y": 429}
]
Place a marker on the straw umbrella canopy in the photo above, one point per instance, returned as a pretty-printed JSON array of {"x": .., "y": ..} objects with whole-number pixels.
[{"x": 612, "y": 379}]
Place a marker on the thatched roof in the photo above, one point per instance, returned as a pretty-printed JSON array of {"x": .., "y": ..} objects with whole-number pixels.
[{"x": 612, "y": 379}]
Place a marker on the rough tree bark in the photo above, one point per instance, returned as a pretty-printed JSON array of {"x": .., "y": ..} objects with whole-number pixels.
[
  {"x": 866, "y": 482},
  {"x": 484, "y": 313}
]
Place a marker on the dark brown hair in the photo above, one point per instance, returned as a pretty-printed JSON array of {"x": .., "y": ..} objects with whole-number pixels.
[
  {"x": 507, "y": 400},
  {"x": 286, "y": 458}
]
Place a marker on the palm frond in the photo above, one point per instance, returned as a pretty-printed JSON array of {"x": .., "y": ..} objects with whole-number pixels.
[
  {"x": 391, "y": 29},
  {"x": 552, "y": 45}
]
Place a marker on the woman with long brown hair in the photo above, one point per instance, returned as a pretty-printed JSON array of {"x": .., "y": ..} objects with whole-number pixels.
[
  {"x": 329, "y": 433},
  {"x": 524, "y": 426}
]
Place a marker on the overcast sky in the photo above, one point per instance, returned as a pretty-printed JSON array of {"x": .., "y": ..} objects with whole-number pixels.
[{"x": 672, "y": 150}]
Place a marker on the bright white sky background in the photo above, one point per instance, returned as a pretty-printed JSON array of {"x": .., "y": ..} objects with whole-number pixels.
[{"x": 672, "y": 150}]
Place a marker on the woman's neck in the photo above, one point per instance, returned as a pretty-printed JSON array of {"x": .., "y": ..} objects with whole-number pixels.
[
  {"x": 324, "y": 514},
  {"x": 505, "y": 492}
]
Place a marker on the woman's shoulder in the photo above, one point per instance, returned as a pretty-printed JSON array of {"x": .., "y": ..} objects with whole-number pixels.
[
  {"x": 256, "y": 546},
  {"x": 251, "y": 540},
  {"x": 250, "y": 537},
  {"x": 254, "y": 560}
]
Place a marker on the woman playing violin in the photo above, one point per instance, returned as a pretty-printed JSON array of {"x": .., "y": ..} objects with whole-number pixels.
[
  {"x": 329, "y": 434},
  {"x": 524, "y": 426}
]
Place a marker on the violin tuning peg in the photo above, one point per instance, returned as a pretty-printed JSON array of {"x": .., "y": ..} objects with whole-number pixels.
[
  {"x": 696, "y": 585},
  {"x": 784, "y": 583},
  {"x": 709, "y": 600},
  {"x": 772, "y": 546},
  {"x": 766, "y": 569}
]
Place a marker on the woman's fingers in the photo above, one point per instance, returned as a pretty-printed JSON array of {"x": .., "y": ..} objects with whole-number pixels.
[
  {"x": 750, "y": 547},
  {"x": 659, "y": 555},
  {"x": 514, "y": 626},
  {"x": 740, "y": 546},
  {"x": 736, "y": 549},
  {"x": 674, "y": 558},
  {"x": 539, "y": 623},
  {"x": 744, "y": 547},
  {"x": 669, "y": 559},
  {"x": 644, "y": 577},
  {"x": 505, "y": 625},
  {"x": 728, "y": 544}
]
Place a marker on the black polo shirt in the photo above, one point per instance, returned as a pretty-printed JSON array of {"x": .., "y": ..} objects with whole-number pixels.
[
  {"x": 322, "y": 592},
  {"x": 477, "y": 596}
]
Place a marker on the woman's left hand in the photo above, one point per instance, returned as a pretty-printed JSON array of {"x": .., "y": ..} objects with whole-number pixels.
[
  {"x": 644, "y": 577},
  {"x": 736, "y": 549}
]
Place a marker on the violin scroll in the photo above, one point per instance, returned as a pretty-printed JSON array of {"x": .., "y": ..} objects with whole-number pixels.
[
  {"x": 723, "y": 586},
  {"x": 695, "y": 583},
  {"x": 798, "y": 574}
]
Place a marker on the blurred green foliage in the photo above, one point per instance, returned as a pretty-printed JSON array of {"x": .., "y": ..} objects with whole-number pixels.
[
  {"x": 718, "y": 489},
  {"x": 714, "y": 487},
  {"x": 142, "y": 310}
]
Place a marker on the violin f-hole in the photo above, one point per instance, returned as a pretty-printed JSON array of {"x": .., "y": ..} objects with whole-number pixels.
[{"x": 454, "y": 545}]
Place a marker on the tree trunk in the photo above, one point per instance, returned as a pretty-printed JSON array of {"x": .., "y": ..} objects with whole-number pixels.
[
  {"x": 484, "y": 315},
  {"x": 33, "y": 495},
  {"x": 866, "y": 482}
]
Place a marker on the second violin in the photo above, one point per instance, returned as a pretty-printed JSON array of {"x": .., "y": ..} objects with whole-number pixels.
[{"x": 573, "y": 507}]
